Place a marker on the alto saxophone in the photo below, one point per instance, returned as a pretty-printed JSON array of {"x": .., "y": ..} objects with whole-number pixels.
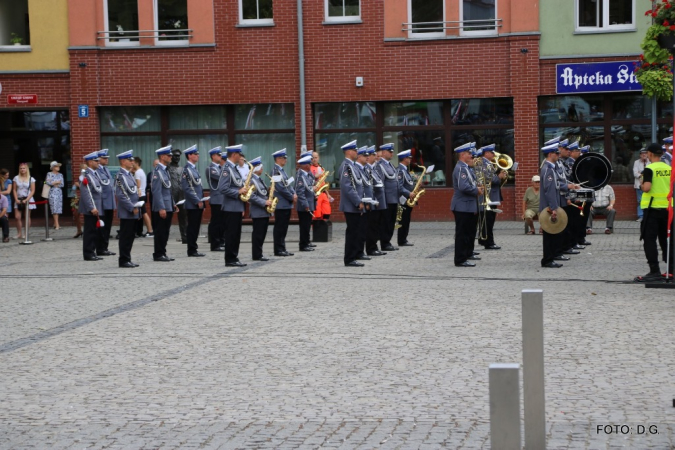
[
  {"x": 321, "y": 186},
  {"x": 250, "y": 187},
  {"x": 418, "y": 191},
  {"x": 270, "y": 209},
  {"x": 399, "y": 217}
]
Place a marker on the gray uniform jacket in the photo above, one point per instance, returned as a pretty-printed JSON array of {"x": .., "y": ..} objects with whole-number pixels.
[
  {"x": 160, "y": 186},
  {"x": 549, "y": 193},
  {"x": 405, "y": 181},
  {"x": 667, "y": 158},
  {"x": 213, "y": 172},
  {"x": 191, "y": 184},
  {"x": 230, "y": 184},
  {"x": 561, "y": 172},
  {"x": 495, "y": 182},
  {"x": 390, "y": 181},
  {"x": 90, "y": 195},
  {"x": 257, "y": 209},
  {"x": 378, "y": 186},
  {"x": 465, "y": 198},
  {"x": 108, "y": 193},
  {"x": 126, "y": 193},
  {"x": 304, "y": 187},
  {"x": 351, "y": 188},
  {"x": 282, "y": 190},
  {"x": 367, "y": 185}
]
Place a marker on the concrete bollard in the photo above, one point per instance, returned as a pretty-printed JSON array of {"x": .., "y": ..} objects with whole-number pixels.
[
  {"x": 534, "y": 399},
  {"x": 505, "y": 406}
]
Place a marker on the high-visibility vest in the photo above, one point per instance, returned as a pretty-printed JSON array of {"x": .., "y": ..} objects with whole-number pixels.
[{"x": 660, "y": 187}]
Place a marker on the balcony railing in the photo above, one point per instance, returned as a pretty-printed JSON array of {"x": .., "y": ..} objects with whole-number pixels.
[
  {"x": 465, "y": 25},
  {"x": 125, "y": 36}
]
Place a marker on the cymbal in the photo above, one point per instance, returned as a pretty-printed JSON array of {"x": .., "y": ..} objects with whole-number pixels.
[{"x": 550, "y": 226}]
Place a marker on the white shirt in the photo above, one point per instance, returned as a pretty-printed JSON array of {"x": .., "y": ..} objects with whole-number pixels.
[
  {"x": 243, "y": 170},
  {"x": 140, "y": 175},
  {"x": 603, "y": 197}
]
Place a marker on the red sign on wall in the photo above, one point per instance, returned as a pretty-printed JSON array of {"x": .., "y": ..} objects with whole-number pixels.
[{"x": 22, "y": 99}]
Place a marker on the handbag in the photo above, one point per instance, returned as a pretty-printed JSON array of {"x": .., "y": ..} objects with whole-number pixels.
[
  {"x": 45, "y": 190},
  {"x": 21, "y": 206}
]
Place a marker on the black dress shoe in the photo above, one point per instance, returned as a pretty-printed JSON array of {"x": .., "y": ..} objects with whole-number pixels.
[
  {"x": 162, "y": 258},
  {"x": 390, "y": 248},
  {"x": 235, "y": 264},
  {"x": 465, "y": 264},
  {"x": 406, "y": 244},
  {"x": 578, "y": 247},
  {"x": 307, "y": 249},
  {"x": 377, "y": 253},
  {"x": 476, "y": 253},
  {"x": 571, "y": 252},
  {"x": 354, "y": 264},
  {"x": 364, "y": 258},
  {"x": 552, "y": 265},
  {"x": 93, "y": 258},
  {"x": 218, "y": 249},
  {"x": 561, "y": 258},
  {"x": 311, "y": 245},
  {"x": 105, "y": 253},
  {"x": 282, "y": 254},
  {"x": 473, "y": 258},
  {"x": 135, "y": 265},
  {"x": 492, "y": 247},
  {"x": 196, "y": 255},
  {"x": 128, "y": 265},
  {"x": 262, "y": 258},
  {"x": 585, "y": 243}
]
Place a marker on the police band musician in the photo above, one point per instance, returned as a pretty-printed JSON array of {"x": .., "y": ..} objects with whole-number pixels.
[
  {"x": 391, "y": 194},
  {"x": 163, "y": 206},
  {"x": 108, "y": 203},
  {"x": 191, "y": 184},
  {"x": 306, "y": 200},
  {"x": 376, "y": 216},
  {"x": 260, "y": 216},
  {"x": 406, "y": 185},
  {"x": 232, "y": 187},
  {"x": 465, "y": 205},
  {"x": 128, "y": 208},
  {"x": 285, "y": 193},
  {"x": 213, "y": 177}
]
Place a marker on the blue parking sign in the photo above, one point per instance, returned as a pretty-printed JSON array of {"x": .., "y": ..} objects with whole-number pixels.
[{"x": 83, "y": 111}]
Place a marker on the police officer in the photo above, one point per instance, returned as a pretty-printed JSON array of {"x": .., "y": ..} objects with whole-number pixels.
[
  {"x": 580, "y": 215},
  {"x": 258, "y": 209},
  {"x": 656, "y": 187},
  {"x": 163, "y": 206},
  {"x": 391, "y": 194},
  {"x": 376, "y": 214},
  {"x": 304, "y": 188},
  {"x": 566, "y": 241},
  {"x": 495, "y": 180},
  {"x": 283, "y": 190},
  {"x": 464, "y": 206},
  {"x": 667, "y": 156},
  {"x": 108, "y": 202},
  {"x": 90, "y": 206},
  {"x": 213, "y": 173},
  {"x": 351, "y": 204},
  {"x": 406, "y": 184},
  {"x": 126, "y": 192},
  {"x": 587, "y": 207},
  {"x": 550, "y": 200},
  {"x": 232, "y": 186},
  {"x": 191, "y": 184},
  {"x": 360, "y": 166}
]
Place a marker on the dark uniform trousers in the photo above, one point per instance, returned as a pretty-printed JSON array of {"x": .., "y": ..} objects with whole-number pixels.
[
  {"x": 90, "y": 236},
  {"x": 375, "y": 218},
  {"x": 352, "y": 249},
  {"x": 655, "y": 227},
  {"x": 282, "y": 217},
  {"x": 216, "y": 227},
  {"x": 551, "y": 246},
  {"x": 405, "y": 225},
  {"x": 139, "y": 222},
  {"x": 104, "y": 231},
  {"x": 232, "y": 222},
  {"x": 194, "y": 220},
  {"x": 305, "y": 218},
  {"x": 567, "y": 238},
  {"x": 126, "y": 239},
  {"x": 581, "y": 232},
  {"x": 465, "y": 232},
  {"x": 258, "y": 238},
  {"x": 162, "y": 227},
  {"x": 487, "y": 227},
  {"x": 388, "y": 224},
  {"x": 363, "y": 231}
]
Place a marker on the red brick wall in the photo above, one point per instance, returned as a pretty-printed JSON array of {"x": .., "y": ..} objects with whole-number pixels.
[{"x": 52, "y": 89}]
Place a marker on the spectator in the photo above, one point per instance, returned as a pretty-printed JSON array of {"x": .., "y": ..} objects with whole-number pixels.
[
  {"x": 603, "y": 204},
  {"x": 4, "y": 221},
  {"x": 23, "y": 190},
  {"x": 531, "y": 204},
  {"x": 55, "y": 182},
  {"x": 142, "y": 183},
  {"x": 6, "y": 189},
  {"x": 639, "y": 167}
]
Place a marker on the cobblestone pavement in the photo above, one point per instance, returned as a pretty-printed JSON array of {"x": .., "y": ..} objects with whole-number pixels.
[{"x": 302, "y": 352}]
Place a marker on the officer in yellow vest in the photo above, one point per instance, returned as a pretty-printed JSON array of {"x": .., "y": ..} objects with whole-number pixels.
[{"x": 655, "y": 187}]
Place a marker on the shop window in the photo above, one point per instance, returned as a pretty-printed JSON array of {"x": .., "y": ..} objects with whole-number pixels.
[
  {"x": 328, "y": 146},
  {"x": 197, "y": 118},
  {"x": 482, "y": 111},
  {"x": 121, "y": 21},
  {"x": 171, "y": 21},
  {"x": 344, "y": 115},
  {"x": 426, "y": 17},
  {"x": 605, "y": 15},
  {"x": 413, "y": 113},
  {"x": 14, "y": 26},
  {"x": 255, "y": 12},
  {"x": 270, "y": 116},
  {"x": 342, "y": 10},
  {"x": 479, "y": 17},
  {"x": 264, "y": 144},
  {"x": 130, "y": 119}
]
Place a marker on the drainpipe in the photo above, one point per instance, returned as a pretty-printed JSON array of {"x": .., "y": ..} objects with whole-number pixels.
[{"x": 301, "y": 57}]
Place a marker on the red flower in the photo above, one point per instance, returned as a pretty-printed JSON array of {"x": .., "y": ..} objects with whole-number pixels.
[
  {"x": 653, "y": 14},
  {"x": 85, "y": 181},
  {"x": 668, "y": 5},
  {"x": 649, "y": 11},
  {"x": 672, "y": 28},
  {"x": 666, "y": 23}
]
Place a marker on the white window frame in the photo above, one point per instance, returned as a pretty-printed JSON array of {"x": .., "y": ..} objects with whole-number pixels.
[
  {"x": 606, "y": 28},
  {"x": 463, "y": 32},
  {"x": 20, "y": 47},
  {"x": 341, "y": 19},
  {"x": 432, "y": 35},
  {"x": 254, "y": 21},
  {"x": 107, "y": 36},
  {"x": 170, "y": 42}
]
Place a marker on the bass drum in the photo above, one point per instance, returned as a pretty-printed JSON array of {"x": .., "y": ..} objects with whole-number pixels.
[{"x": 592, "y": 171}]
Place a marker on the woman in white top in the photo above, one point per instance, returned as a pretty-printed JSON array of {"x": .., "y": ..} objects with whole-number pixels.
[{"x": 23, "y": 189}]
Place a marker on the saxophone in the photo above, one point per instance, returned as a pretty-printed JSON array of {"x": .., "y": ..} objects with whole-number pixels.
[
  {"x": 248, "y": 185},
  {"x": 321, "y": 186},
  {"x": 418, "y": 191},
  {"x": 270, "y": 209}
]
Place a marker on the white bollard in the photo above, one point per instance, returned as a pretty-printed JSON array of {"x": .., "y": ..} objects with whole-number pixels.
[
  {"x": 505, "y": 407},
  {"x": 534, "y": 399}
]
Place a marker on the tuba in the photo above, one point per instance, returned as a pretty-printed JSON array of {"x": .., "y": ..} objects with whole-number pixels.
[
  {"x": 270, "y": 209},
  {"x": 418, "y": 191},
  {"x": 321, "y": 186},
  {"x": 250, "y": 187}
]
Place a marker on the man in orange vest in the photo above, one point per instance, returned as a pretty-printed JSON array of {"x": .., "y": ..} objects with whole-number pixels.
[{"x": 323, "y": 201}]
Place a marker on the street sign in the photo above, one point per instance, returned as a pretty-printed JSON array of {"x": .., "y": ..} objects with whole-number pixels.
[
  {"x": 83, "y": 111},
  {"x": 22, "y": 99}
]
